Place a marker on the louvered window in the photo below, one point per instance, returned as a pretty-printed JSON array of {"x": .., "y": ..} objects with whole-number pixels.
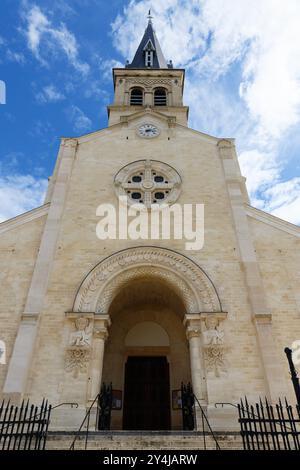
[
  {"x": 160, "y": 97},
  {"x": 136, "y": 97}
]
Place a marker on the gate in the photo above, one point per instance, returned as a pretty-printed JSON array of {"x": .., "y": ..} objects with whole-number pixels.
[
  {"x": 24, "y": 427},
  {"x": 269, "y": 427}
]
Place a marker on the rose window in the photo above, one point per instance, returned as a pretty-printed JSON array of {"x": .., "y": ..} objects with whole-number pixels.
[{"x": 148, "y": 182}]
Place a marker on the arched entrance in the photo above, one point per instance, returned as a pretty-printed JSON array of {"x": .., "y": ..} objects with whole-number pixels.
[
  {"x": 146, "y": 355},
  {"x": 147, "y": 304},
  {"x": 146, "y": 378}
]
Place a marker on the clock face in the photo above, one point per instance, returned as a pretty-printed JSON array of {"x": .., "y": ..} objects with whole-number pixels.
[{"x": 148, "y": 130}]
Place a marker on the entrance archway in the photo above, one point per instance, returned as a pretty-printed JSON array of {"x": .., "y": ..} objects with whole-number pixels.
[
  {"x": 154, "y": 285},
  {"x": 146, "y": 355}
]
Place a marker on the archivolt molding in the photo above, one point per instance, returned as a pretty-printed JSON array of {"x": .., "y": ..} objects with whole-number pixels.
[
  {"x": 114, "y": 286},
  {"x": 186, "y": 278}
]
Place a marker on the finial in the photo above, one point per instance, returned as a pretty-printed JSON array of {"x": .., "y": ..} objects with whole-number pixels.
[{"x": 150, "y": 17}]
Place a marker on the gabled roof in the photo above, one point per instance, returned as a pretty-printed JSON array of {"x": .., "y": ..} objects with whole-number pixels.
[
  {"x": 273, "y": 221},
  {"x": 159, "y": 62},
  {"x": 24, "y": 218}
]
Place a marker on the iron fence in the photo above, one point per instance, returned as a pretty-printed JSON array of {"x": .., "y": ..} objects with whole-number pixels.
[
  {"x": 24, "y": 427},
  {"x": 266, "y": 426}
]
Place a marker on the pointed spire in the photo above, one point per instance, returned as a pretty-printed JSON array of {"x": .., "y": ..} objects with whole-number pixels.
[{"x": 149, "y": 54}]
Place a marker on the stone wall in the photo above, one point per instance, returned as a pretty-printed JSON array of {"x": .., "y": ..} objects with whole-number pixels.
[
  {"x": 19, "y": 244},
  {"x": 98, "y": 158},
  {"x": 278, "y": 253},
  {"x": 88, "y": 183}
]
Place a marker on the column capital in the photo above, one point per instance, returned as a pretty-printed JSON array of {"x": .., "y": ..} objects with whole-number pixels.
[
  {"x": 193, "y": 332},
  {"x": 101, "y": 325},
  {"x": 101, "y": 333},
  {"x": 192, "y": 322}
]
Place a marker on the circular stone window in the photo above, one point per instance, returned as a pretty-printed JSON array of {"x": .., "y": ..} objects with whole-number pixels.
[{"x": 148, "y": 182}]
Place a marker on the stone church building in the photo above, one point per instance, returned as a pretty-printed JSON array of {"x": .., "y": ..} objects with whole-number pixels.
[{"x": 147, "y": 314}]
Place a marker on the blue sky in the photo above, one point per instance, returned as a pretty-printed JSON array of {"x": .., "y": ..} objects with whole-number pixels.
[{"x": 242, "y": 60}]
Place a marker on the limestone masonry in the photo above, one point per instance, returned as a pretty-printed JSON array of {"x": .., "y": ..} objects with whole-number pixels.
[{"x": 75, "y": 310}]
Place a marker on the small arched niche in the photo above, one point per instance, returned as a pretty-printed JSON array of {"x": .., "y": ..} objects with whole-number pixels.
[{"x": 147, "y": 333}]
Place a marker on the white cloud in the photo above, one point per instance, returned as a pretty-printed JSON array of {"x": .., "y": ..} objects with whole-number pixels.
[
  {"x": 290, "y": 210},
  {"x": 261, "y": 169},
  {"x": 15, "y": 56},
  {"x": 106, "y": 67},
  {"x": 44, "y": 39},
  {"x": 242, "y": 59},
  {"x": 94, "y": 89},
  {"x": 20, "y": 193},
  {"x": 270, "y": 54},
  {"x": 81, "y": 123},
  {"x": 49, "y": 94},
  {"x": 247, "y": 30},
  {"x": 283, "y": 200}
]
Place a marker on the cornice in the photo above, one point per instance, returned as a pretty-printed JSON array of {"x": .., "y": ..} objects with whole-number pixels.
[
  {"x": 273, "y": 221},
  {"x": 24, "y": 218}
]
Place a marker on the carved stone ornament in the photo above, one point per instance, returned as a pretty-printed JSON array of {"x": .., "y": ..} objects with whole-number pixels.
[
  {"x": 214, "y": 346},
  {"x": 184, "y": 276},
  {"x": 213, "y": 335},
  {"x": 82, "y": 336},
  {"x": 78, "y": 351},
  {"x": 77, "y": 359},
  {"x": 149, "y": 83},
  {"x": 215, "y": 360}
]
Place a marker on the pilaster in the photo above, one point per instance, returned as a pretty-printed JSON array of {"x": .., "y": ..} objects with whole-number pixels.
[
  {"x": 20, "y": 361},
  {"x": 261, "y": 316}
]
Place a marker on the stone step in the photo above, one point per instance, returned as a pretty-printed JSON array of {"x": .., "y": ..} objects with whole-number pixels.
[{"x": 134, "y": 440}]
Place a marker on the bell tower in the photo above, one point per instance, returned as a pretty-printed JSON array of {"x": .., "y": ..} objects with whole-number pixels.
[{"x": 148, "y": 82}]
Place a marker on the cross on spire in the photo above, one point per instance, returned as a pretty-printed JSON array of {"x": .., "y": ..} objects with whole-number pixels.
[{"x": 150, "y": 18}]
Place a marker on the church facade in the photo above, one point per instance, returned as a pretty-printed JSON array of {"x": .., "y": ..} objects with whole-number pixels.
[{"x": 147, "y": 314}]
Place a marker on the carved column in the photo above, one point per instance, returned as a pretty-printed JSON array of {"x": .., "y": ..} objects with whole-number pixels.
[
  {"x": 193, "y": 333},
  {"x": 101, "y": 324}
]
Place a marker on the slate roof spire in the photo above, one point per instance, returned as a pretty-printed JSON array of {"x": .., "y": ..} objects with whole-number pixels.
[{"x": 149, "y": 54}]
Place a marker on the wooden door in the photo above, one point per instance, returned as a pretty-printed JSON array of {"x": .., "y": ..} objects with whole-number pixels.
[{"x": 146, "y": 393}]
